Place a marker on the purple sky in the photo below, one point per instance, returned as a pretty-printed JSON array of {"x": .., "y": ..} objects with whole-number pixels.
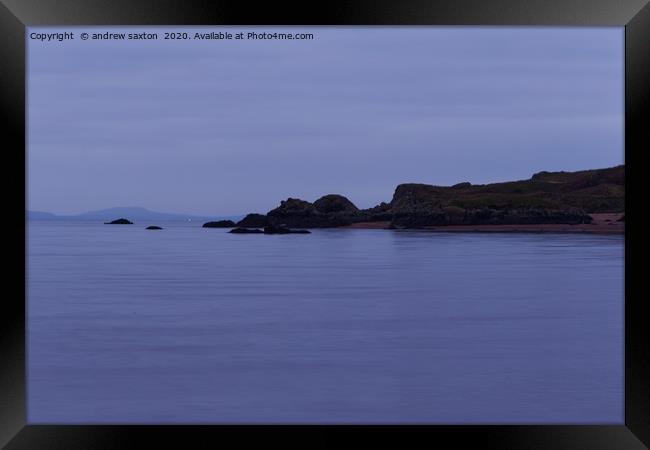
[{"x": 231, "y": 127}]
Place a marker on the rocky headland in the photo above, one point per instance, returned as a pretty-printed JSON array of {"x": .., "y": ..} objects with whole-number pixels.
[
  {"x": 546, "y": 199},
  {"x": 253, "y": 221}
]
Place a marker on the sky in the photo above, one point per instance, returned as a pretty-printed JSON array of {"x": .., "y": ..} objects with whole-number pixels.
[{"x": 226, "y": 127}]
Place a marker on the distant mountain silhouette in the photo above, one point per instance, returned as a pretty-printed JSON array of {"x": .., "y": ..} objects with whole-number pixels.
[
  {"x": 40, "y": 215},
  {"x": 133, "y": 213}
]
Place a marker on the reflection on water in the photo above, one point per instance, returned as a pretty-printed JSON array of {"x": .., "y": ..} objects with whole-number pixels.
[{"x": 341, "y": 326}]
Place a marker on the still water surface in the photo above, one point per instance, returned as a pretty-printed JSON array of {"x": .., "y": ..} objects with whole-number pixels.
[{"x": 193, "y": 325}]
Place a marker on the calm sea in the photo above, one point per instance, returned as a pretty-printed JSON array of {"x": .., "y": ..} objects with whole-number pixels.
[{"x": 192, "y": 325}]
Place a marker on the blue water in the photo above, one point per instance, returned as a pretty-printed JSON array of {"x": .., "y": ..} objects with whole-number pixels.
[{"x": 192, "y": 325}]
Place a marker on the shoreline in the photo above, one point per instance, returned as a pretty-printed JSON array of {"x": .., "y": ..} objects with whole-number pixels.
[{"x": 605, "y": 223}]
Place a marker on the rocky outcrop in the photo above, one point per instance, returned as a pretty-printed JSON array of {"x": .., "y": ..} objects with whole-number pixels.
[
  {"x": 335, "y": 204},
  {"x": 545, "y": 198},
  {"x": 153, "y": 227},
  {"x": 121, "y": 221},
  {"x": 270, "y": 229},
  {"x": 246, "y": 231},
  {"x": 253, "y": 221},
  {"x": 380, "y": 213},
  {"x": 328, "y": 211},
  {"x": 220, "y": 224},
  {"x": 548, "y": 199}
]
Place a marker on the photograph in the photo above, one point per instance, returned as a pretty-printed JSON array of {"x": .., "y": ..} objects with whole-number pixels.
[
  {"x": 356, "y": 225},
  {"x": 313, "y": 224}
]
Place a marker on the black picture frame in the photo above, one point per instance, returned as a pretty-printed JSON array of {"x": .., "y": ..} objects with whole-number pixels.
[{"x": 16, "y": 15}]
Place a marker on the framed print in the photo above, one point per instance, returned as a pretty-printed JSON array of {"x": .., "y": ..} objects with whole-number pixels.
[{"x": 288, "y": 222}]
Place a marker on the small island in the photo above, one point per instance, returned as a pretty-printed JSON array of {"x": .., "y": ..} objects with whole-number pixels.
[
  {"x": 219, "y": 224},
  {"x": 246, "y": 231},
  {"x": 121, "y": 221}
]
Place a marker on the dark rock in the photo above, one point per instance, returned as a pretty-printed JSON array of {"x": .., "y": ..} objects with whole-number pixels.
[
  {"x": 380, "y": 208},
  {"x": 121, "y": 221},
  {"x": 334, "y": 203},
  {"x": 452, "y": 215},
  {"x": 292, "y": 207},
  {"x": 220, "y": 224},
  {"x": 417, "y": 205},
  {"x": 253, "y": 221},
  {"x": 570, "y": 216},
  {"x": 421, "y": 205},
  {"x": 464, "y": 184},
  {"x": 622, "y": 219},
  {"x": 270, "y": 229},
  {"x": 417, "y": 198},
  {"x": 246, "y": 231},
  {"x": 380, "y": 213},
  {"x": 153, "y": 227},
  {"x": 332, "y": 211},
  {"x": 294, "y": 212}
]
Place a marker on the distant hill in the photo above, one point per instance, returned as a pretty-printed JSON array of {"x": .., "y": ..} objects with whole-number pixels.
[
  {"x": 132, "y": 213},
  {"x": 40, "y": 215}
]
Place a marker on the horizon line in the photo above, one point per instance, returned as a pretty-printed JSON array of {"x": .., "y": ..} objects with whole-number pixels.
[{"x": 27, "y": 210}]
